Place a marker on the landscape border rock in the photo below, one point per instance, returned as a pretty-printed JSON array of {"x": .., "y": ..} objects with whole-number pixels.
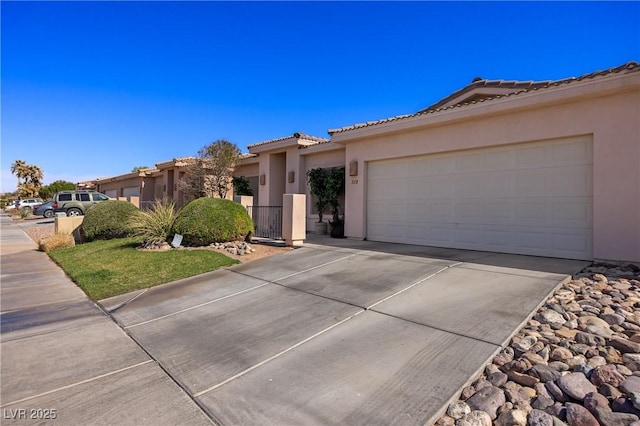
[{"x": 576, "y": 362}]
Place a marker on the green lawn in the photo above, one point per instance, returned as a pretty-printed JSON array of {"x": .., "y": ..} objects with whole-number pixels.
[{"x": 108, "y": 268}]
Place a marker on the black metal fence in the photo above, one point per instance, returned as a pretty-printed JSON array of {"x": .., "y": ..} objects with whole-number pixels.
[{"x": 267, "y": 221}]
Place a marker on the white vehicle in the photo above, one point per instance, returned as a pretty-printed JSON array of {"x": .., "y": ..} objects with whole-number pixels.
[{"x": 28, "y": 202}]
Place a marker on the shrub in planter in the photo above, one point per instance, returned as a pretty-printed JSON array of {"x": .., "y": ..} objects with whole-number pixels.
[
  {"x": 108, "y": 220},
  {"x": 154, "y": 226},
  {"x": 212, "y": 220}
]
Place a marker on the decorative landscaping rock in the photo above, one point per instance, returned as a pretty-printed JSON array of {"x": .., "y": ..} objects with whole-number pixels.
[
  {"x": 475, "y": 418},
  {"x": 577, "y": 359},
  {"x": 488, "y": 399},
  {"x": 458, "y": 410},
  {"x": 576, "y": 385},
  {"x": 239, "y": 248},
  {"x": 577, "y": 415}
]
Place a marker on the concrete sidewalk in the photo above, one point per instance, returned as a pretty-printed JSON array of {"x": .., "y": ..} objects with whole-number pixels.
[{"x": 64, "y": 361}]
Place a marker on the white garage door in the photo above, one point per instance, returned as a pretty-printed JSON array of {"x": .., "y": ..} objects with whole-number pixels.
[
  {"x": 533, "y": 198},
  {"x": 112, "y": 193}
]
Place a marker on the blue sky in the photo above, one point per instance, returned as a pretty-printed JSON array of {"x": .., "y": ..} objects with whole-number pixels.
[{"x": 92, "y": 89}]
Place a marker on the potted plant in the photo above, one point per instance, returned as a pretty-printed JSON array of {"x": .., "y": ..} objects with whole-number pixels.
[{"x": 327, "y": 185}]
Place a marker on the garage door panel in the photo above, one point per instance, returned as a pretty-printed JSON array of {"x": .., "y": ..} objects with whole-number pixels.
[
  {"x": 575, "y": 212},
  {"x": 533, "y": 198},
  {"x": 470, "y": 162},
  {"x": 574, "y": 152},
  {"x": 572, "y": 181}
]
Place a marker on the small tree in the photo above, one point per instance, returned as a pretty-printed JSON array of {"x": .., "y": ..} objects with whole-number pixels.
[
  {"x": 210, "y": 174},
  {"x": 47, "y": 191},
  {"x": 138, "y": 168}
]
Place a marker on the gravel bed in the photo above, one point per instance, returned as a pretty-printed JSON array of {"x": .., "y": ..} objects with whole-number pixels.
[{"x": 576, "y": 362}]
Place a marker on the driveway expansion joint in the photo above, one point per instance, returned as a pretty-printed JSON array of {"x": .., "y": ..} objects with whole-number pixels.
[{"x": 101, "y": 376}]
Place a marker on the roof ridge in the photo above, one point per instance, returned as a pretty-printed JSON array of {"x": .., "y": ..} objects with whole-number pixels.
[{"x": 297, "y": 135}]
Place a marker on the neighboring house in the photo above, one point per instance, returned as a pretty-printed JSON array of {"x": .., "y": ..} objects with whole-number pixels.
[
  {"x": 546, "y": 168},
  {"x": 159, "y": 182},
  {"x": 279, "y": 167}
]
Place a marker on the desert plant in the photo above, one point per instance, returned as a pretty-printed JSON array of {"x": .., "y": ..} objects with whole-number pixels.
[
  {"x": 210, "y": 220},
  {"x": 154, "y": 226},
  {"x": 24, "y": 212},
  {"x": 56, "y": 241},
  {"x": 107, "y": 220}
]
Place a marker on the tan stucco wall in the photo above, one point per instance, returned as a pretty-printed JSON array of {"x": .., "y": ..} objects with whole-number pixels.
[
  {"x": 612, "y": 119},
  {"x": 246, "y": 170}
]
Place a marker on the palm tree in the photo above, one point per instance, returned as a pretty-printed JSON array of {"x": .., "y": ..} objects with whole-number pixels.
[
  {"x": 18, "y": 168},
  {"x": 29, "y": 178}
]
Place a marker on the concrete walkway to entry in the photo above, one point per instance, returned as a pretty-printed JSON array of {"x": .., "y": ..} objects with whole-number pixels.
[
  {"x": 338, "y": 331},
  {"x": 64, "y": 361}
]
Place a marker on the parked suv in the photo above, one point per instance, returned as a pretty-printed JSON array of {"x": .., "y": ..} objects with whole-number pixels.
[{"x": 76, "y": 203}]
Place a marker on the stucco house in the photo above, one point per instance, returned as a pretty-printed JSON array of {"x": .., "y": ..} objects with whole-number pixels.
[
  {"x": 159, "y": 182},
  {"x": 547, "y": 168}
]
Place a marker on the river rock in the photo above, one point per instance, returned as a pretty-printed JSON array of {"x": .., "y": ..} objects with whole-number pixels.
[
  {"x": 544, "y": 373},
  {"x": 577, "y": 415},
  {"x": 475, "y": 418},
  {"x": 576, "y": 385},
  {"x": 606, "y": 374},
  {"x": 488, "y": 399},
  {"x": 624, "y": 345},
  {"x": 539, "y": 418},
  {"x": 593, "y": 402},
  {"x": 512, "y": 418},
  {"x": 631, "y": 384},
  {"x": 458, "y": 409},
  {"x": 550, "y": 317},
  {"x": 609, "y": 418}
]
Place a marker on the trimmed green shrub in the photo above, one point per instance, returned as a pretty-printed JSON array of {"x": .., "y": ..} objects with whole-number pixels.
[
  {"x": 154, "y": 226},
  {"x": 212, "y": 220},
  {"x": 108, "y": 220}
]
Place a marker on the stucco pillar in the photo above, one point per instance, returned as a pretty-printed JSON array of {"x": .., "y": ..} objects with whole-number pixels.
[
  {"x": 294, "y": 227},
  {"x": 245, "y": 200}
]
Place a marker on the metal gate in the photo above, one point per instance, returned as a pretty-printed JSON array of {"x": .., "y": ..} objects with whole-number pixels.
[{"x": 267, "y": 221}]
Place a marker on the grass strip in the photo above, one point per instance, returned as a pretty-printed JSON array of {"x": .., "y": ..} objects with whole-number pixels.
[{"x": 112, "y": 267}]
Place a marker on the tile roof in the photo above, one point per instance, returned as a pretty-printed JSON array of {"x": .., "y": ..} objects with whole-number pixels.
[
  {"x": 296, "y": 135},
  {"x": 518, "y": 86}
]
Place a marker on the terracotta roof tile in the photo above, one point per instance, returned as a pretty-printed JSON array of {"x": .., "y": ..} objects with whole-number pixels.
[
  {"x": 521, "y": 86},
  {"x": 297, "y": 135}
]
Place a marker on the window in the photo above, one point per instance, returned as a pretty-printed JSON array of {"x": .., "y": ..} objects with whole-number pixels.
[
  {"x": 100, "y": 197},
  {"x": 82, "y": 197},
  {"x": 64, "y": 197}
]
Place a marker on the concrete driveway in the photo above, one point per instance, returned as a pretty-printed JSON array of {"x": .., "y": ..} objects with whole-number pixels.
[{"x": 338, "y": 332}]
